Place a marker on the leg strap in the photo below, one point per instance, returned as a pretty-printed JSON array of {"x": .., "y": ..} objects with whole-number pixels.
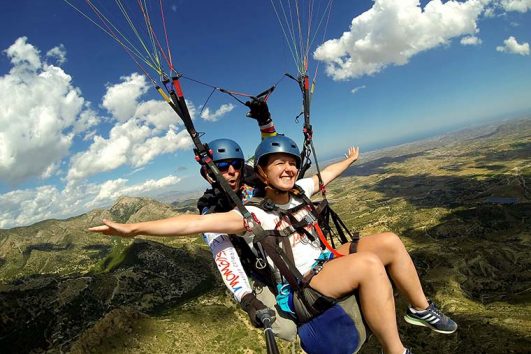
[{"x": 353, "y": 248}]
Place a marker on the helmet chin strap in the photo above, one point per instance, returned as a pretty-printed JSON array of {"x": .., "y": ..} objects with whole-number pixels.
[{"x": 274, "y": 189}]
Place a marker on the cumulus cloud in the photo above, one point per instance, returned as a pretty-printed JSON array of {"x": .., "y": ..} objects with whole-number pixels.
[
  {"x": 27, "y": 206},
  {"x": 510, "y": 45},
  {"x": 144, "y": 130},
  {"x": 23, "y": 55},
  {"x": 516, "y": 5},
  {"x": 40, "y": 114},
  {"x": 490, "y": 12},
  {"x": 85, "y": 121},
  {"x": 154, "y": 146},
  {"x": 191, "y": 108},
  {"x": 220, "y": 112},
  {"x": 58, "y": 53},
  {"x": 113, "y": 189},
  {"x": 157, "y": 113},
  {"x": 470, "y": 40},
  {"x": 131, "y": 143},
  {"x": 499, "y": 8},
  {"x": 121, "y": 100},
  {"x": 393, "y": 31}
]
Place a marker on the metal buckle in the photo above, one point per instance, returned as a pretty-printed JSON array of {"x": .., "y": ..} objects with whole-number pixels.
[
  {"x": 309, "y": 218},
  {"x": 250, "y": 224},
  {"x": 260, "y": 263}
]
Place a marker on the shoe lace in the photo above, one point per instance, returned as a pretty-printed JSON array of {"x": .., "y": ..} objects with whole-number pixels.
[{"x": 435, "y": 310}]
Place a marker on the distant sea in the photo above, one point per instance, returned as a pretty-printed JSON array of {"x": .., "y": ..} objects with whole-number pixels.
[{"x": 427, "y": 134}]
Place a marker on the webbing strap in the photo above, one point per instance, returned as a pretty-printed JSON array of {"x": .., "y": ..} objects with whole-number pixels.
[
  {"x": 325, "y": 242},
  {"x": 280, "y": 259},
  {"x": 307, "y": 130},
  {"x": 342, "y": 228},
  {"x": 178, "y": 104},
  {"x": 324, "y": 220},
  {"x": 286, "y": 247},
  {"x": 251, "y": 263},
  {"x": 285, "y": 232}
]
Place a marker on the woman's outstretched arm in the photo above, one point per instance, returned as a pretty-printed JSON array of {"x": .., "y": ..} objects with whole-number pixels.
[
  {"x": 181, "y": 225},
  {"x": 334, "y": 170}
]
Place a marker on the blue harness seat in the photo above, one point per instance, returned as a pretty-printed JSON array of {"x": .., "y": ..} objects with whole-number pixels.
[{"x": 338, "y": 330}]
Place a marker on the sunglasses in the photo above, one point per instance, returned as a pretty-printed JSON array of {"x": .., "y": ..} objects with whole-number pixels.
[{"x": 223, "y": 166}]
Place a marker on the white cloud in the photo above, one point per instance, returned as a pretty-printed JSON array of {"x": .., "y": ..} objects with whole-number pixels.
[
  {"x": 132, "y": 143},
  {"x": 393, "y": 31},
  {"x": 104, "y": 154},
  {"x": 23, "y": 55},
  {"x": 89, "y": 135},
  {"x": 24, "y": 207},
  {"x": 490, "y": 12},
  {"x": 121, "y": 100},
  {"x": 157, "y": 113},
  {"x": 135, "y": 171},
  {"x": 40, "y": 114},
  {"x": 516, "y": 5},
  {"x": 499, "y": 8},
  {"x": 470, "y": 40},
  {"x": 141, "y": 154},
  {"x": 113, "y": 189},
  {"x": 510, "y": 45},
  {"x": 145, "y": 129},
  {"x": 86, "y": 120},
  {"x": 191, "y": 109},
  {"x": 58, "y": 53},
  {"x": 222, "y": 110},
  {"x": 356, "y": 89}
]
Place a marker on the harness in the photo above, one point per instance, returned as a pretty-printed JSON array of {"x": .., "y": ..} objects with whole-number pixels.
[{"x": 276, "y": 245}]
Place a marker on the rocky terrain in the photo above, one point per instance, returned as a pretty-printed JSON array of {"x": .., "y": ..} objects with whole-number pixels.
[
  {"x": 460, "y": 202},
  {"x": 64, "y": 280}
]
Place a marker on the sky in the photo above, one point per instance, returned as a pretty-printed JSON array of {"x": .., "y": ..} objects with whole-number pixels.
[{"x": 81, "y": 125}]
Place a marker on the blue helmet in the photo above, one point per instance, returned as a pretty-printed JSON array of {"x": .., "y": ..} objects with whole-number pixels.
[
  {"x": 225, "y": 149},
  {"x": 279, "y": 143}
]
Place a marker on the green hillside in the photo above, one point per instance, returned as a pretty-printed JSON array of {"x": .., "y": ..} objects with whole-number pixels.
[{"x": 461, "y": 204}]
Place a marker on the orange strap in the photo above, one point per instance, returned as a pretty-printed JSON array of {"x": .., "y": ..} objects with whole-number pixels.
[{"x": 325, "y": 242}]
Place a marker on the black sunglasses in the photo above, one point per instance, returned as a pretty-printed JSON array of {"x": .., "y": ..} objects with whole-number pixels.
[{"x": 224, "y": 165}]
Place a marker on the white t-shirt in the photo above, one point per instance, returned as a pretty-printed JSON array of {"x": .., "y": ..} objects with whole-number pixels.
[{"x": 305, "y": 252}]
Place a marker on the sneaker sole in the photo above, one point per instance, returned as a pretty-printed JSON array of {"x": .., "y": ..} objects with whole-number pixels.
[{"x": 417, "y": 322}]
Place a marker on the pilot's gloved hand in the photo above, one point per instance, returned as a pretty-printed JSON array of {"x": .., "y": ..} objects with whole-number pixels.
[
  {"x": 259, "y": 111},
  {"x": 256, "y": 310}
]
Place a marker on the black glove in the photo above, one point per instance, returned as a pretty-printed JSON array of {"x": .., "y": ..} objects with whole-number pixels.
[
  {"x": 259, "y": 111},
  {"x": 256, "y": 310},
  {"x": 266, "y": 317}
]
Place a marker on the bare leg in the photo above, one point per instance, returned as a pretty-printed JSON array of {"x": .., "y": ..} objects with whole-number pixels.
[
  {"x": 394, "y": 256},
  {"x": 365, "y": 272}
]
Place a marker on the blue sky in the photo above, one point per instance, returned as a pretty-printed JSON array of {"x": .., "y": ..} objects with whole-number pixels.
[{"x": 80, "y": 125}]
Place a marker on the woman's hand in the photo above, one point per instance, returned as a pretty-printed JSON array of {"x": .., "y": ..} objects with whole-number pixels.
[
  {"x": 331, "y": 172},
  {"x": 114, "y": 229},
  {"x": 352, "y": 154}
]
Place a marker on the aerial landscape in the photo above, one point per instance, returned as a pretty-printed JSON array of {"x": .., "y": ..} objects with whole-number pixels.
[
  {"x": 461, "y": 203},
  {"x": 109, "y": 111}
]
